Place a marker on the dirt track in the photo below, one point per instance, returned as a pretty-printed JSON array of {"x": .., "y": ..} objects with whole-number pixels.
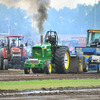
[
  {"x": 14, "y": 75},
  {"x": 59, "y": 94}
]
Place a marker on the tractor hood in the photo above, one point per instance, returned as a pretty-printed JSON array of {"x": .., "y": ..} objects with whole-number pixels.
[
  {"x": 15, "y": 49},
  {"x": 41, "y": 51},
  {"x": 44, "y": 45}
]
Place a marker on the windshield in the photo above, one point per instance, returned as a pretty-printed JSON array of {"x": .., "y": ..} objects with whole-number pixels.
[
  {"x": 14, "y": 42},
  {"x": 93, "y": 37}
]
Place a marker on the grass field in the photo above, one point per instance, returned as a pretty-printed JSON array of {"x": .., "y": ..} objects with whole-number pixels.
[{"x": 38, "y": 84}]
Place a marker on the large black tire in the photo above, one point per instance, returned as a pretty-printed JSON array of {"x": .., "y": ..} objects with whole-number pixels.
[
  {"x": 35, "y": 70},
  {"x": 5, "y": 64},
  {"x": 23, "y": 61},
  {"x": 48, "y": 67},
  {"x": 98, "y": 69},
  {"x": 26, "y": 70},
  {"x": 85, "y": 65},
  {"x": 1, "y": 63},
  {"x": 62, "y": 59},
  {"x": 1, "y": 60}
]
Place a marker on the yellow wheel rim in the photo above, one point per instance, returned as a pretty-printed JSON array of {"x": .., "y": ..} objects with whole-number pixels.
[
  {"x": 28, "y": 70},
  {"x": 66, "y": 60},
  {"x": 50, "y": 68}
]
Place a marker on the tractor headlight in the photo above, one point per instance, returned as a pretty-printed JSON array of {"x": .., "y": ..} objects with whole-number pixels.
[
  {"x": 34, "y": 61},
  {"x": 97, "y": 49},
  {"x": 78, "y": 49}
]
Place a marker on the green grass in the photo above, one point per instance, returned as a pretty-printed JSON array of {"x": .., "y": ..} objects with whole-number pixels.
[{"x": 38, "y": 84}]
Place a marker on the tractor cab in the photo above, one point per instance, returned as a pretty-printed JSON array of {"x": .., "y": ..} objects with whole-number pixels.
[
  {"x": 14, "y": 43},
  {"x": 51, "y": 37},
  {"x": 93, "y": 38}
]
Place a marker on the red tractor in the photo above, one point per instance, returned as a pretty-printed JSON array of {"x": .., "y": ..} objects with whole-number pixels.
[{"x": 12, "y": 53}]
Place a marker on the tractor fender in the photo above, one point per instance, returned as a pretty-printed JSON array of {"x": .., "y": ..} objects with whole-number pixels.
[
  {"x": 3, "y": 52},
  {"x": 63, "y": 46}
]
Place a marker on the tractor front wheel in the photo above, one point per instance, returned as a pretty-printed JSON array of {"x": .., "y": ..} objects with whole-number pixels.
[
  {"x": 5, "y": 64},
  {"x": 86, "y": 67},
  {"x": 62, "y": 59},
  {"x": 26, "y": 70},
  {"x": 98, "y": 68},
  {"x": 48, "y": 67}
]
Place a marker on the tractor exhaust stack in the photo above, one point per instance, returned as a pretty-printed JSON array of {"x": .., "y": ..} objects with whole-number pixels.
[{"x": 41, "y": 39}]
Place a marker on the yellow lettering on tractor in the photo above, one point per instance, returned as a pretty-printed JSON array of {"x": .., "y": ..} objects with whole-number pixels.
[
  {"x": 33, "y": 65},
  {"x": 49, "y": 52},
  {"x": 36, "y": 53}
]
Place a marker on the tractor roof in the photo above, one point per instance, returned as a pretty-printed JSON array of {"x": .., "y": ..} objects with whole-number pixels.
[
  {"x": 93, "y": 30},
  {"x": 14, "y": 36}
]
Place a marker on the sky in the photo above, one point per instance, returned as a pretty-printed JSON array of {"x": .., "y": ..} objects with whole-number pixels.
[
  {"x": 63, "y": 16},
  {"x": 60, "y": 4},
  {"x": 30, "y": 5}
]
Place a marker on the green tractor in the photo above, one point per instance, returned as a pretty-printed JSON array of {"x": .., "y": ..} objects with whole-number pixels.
[{"x": 48, "y": 56}]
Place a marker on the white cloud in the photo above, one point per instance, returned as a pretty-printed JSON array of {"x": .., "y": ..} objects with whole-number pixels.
[
  {"x": 49, "y": 24},
  {"x": 6, "y": 18},
  {"x": 15, "y": 23},
  {"x": 60, "y": 4},
  {"x": 25, "y": 17},
  {"x": 60, "y": 17}
]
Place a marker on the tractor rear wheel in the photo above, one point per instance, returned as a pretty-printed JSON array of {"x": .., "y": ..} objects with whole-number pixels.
[
  {"x": 1, "y": 64},
  {"x": 5, "y": 64},
  {"x": 48, "y": 67},
  {"x": 26, "y": 70},
  {"x": 62, "y": 59}
]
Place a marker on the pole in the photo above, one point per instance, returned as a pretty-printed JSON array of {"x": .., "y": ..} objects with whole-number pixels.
[
  {"x": 41, "y": 39},
  {"x": 95, "y": 16}
]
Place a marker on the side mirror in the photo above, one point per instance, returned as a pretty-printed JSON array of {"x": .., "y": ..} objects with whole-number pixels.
[
  {"x": 21, "y": 45},
  {"x": 20, "y": 39},
  {"x": 26, "y": 44},
  {"x": 2, "y": 44}
]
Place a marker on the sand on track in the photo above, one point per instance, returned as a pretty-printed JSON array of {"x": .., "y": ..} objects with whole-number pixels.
[{"x": 16, "y": 75}]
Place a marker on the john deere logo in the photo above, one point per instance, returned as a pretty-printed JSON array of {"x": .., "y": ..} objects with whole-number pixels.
[
  {"x": 36, "y": 53},
  {"x": 49, "y": 52}
]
